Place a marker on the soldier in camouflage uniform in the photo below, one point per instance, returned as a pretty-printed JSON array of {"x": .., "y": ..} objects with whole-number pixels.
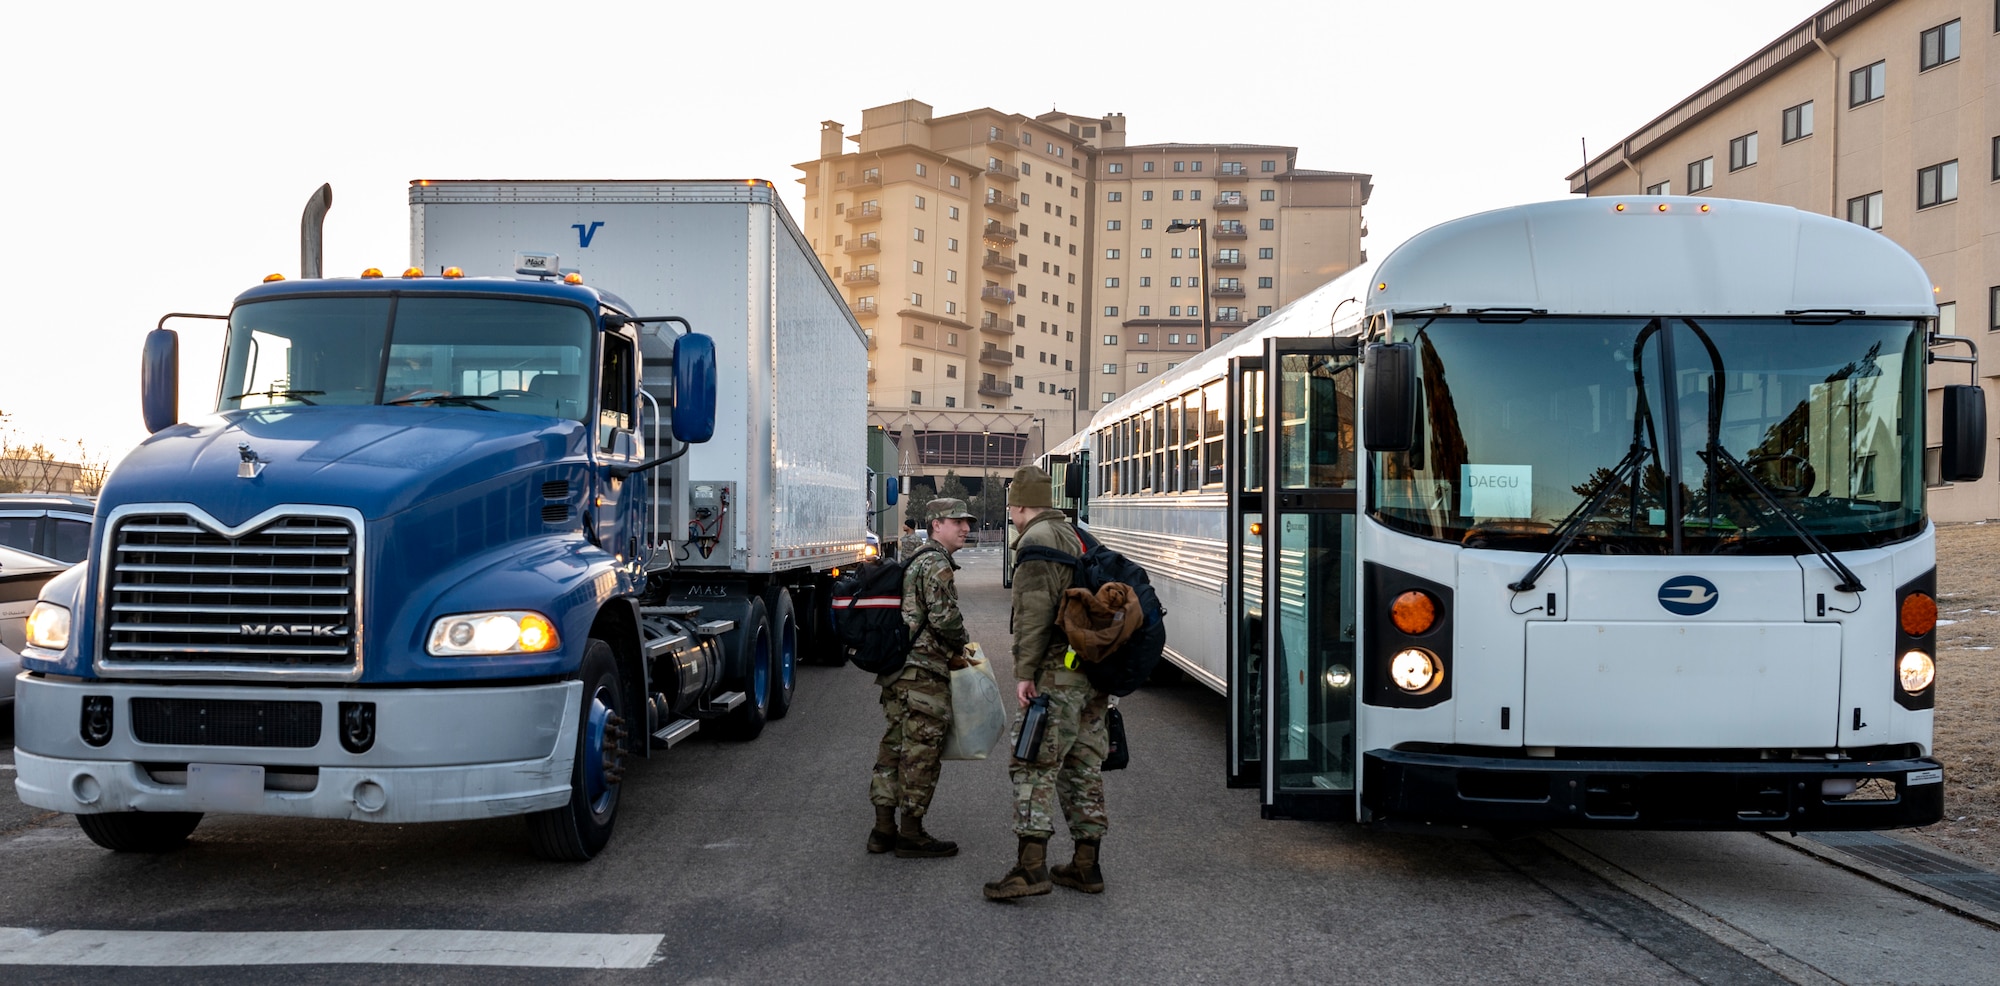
[
  {"x": 917, "y": 699},
  {"x": 1068, "y": 769},
  {"x": 907, "y": 545}
]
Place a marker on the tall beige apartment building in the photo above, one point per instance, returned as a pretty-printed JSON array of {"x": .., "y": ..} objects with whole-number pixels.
[
  {"x": 1875, "y": 111},
  {"x": 1015, "y": 273}
]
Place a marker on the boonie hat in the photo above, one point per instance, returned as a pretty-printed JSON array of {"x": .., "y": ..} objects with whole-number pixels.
[
  {"x": 948, "y": 508},
  {"x": 1030, "y": 488}
]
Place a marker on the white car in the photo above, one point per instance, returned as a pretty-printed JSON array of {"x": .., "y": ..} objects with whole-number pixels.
[{"x": 22, "y": 576}]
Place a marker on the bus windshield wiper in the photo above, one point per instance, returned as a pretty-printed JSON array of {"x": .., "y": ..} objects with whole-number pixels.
[
  {"x": 1849, "y": 582},
  {"x": 295, "y": 395},
  {"x": 1573, "y": 524},
  {"x": 464, "y": 400}
]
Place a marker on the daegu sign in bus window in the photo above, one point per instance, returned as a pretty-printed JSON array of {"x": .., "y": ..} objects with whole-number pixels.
[{"x": 1495, "y": 491}]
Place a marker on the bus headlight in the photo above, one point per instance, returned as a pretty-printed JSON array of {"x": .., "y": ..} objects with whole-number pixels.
[
  {"x": 1915, "y": 671},
  {"x": 1415, "y": 670},
  {"x": 1339, "y": 676},
  {"x": 481, "y": 634},
  {"x": 48, "y": 626}
]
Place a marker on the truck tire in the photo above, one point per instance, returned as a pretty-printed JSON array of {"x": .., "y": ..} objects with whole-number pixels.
[
  {"x": 140, "y": 831},
  {"x": 784, "y": 650},
  {"x": 822, "y": 645},
  {"x": 750, "y": 649},
  {"x": 579, "y": 830}
]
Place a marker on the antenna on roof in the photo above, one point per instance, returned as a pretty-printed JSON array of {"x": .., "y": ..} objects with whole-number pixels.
[{"x": 1585, "y": 144}]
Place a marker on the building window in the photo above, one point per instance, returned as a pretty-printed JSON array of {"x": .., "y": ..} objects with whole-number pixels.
[
  {"x": 1111, "y": 340},
  {"x": 1228, "y": 314},
  {"x": 1114, "y": 196},
  {"x": 1268, "y": 195},
  {"x": 1195, "y": 195},
  {"x": 1110, "y": 368},
  {"x": 1146, "y": 253},
  {"x": 1269, "y": 166},
  {"x": 1263, "y": 310},
  {"x": 1143, "y": 337},
  {"x": 1173, "y": 339},
  {"x": 1110, "y": 282},
  {"x": 1266, "y": 253},
  {"x": 916, "y": 397},
  {"x": 1111, "y": 253},
  {"x": 1174, "y": 253},
  {"x": 1111, "y": 310},
  {"x": 951, "y": 369},
  {"x": 1114, "y": 168},
  {"x": 1145, "y": 166},
  {"x": 1145, "y": 224},
  {"x": 951, "y": 308},
  {"x": 1993, "y": 309},
  {"x": 1996, "y": 141},
  {"x": 1112, "y": 224},
  {"x": 1267, "y": 224},
  {"x": 1263, "y": 282},
  {"x": 1866, "y": 84},
  {"x": 1146, "y": 195},
  {"x": 1663, "y": 188},
  {"x": 1743, "y": 152},
  {"x": 1180, "y": 165},
  {"x": 1145, "y": 368},
  {"x": 952, "y": 211},
  {"x": 1173, "y": 311},
  {"x": 1797, "y": 122},
  {"x": 1196, "y": 166},
  {"x": 1146, "y": 282},
  {"x": 951, "y": 243},
  {"x": 1938, "y": 46},
  {"x": 917, "y": 201},
  {"x": 1107, "y": 397},
  {"x": 951, "y": 402},
  {"x": 1701, "y": 175},
  {"x": 917, "y": 364},
  {"x": 922, "y": 170},
  {"x": 954, "y": 181},
  {"x": 950, "y": 276},
  {"x": 916, "y": 266},
  {"x": 1177, "y": 194},
  {"x": 1937, "y": 184},
  {"x": 1866, "y": 210},
  {"x": 917, "y": 234}
]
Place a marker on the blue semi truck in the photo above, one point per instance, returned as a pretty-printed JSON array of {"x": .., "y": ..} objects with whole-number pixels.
[{"x": 452, "y": 546}]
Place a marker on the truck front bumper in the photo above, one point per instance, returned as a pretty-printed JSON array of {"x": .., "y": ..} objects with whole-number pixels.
[
  {"x": 1771, "y": 795},
  {"x": 436, "y": 754}
]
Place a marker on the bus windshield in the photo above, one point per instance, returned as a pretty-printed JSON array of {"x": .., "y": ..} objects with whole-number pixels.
[
  {"x": 506, "y": 355},
  {"x": 1521, "y": 421}
]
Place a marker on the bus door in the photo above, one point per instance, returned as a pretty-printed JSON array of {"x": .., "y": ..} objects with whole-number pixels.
[
  {"x": 1243, "y": 590},
  {"x": 1308, "y": 600}
]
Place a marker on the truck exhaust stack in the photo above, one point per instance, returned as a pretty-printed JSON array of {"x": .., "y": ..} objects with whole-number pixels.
[{"x": 309, "y": 231}]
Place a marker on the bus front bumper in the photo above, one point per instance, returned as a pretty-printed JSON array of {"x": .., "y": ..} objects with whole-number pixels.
[{"x": 1784, "y": 795}]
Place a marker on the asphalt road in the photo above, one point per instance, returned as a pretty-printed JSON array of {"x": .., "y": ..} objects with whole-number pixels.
[{"x": 747, "y": 860}]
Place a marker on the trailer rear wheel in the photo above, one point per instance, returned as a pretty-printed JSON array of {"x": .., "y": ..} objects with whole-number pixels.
[
  {"x": 140, "y": 831},
  {"x": 784, "y": 650},
  {"x": 751, "y": 650},
  {"x": 576, "y": 831}
]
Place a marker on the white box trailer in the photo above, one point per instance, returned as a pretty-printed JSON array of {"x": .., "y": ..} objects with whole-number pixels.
[{"x": 782, "y": 486}]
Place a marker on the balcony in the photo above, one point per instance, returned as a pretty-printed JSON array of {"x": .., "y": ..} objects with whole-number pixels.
[
  {"x": 995, "y": 135},
  {"x": 999, "y": 232},
  {"x": 867, "y": 212},
  {"x": 1224, "y": 290},
  {"x": 1004, "y": 296},
  {"x": 996, "y": 356},
  {"x": 871, "y": 374},
  {"x": 990, "y": 322},
  {"x": 871, "y": 177},
  {"x": 996, "y": 262},
  {"x": 1231, "y": 202},
  {"x": 865, "y": 308},
  {"x": 866, "y": 243},
  {"x": 1230, "y": 230},
  {"x": 996, "y": 388},
  {"x": 866, "y": 275},
  {"x": 1004, "y": 172},
  {"x": 1232, "y": 171},
  {"x": 1227, "y": 260},
  {"x": 1002, "y": 203}
]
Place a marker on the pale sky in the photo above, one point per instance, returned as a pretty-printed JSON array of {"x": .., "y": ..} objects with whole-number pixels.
[{"x": 158, "y": 155}]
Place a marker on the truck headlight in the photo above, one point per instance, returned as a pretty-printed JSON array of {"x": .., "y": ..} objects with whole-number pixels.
[
  {"x": 1915, "y": 671},
  {"x": 48, "y": 626},
  {"x": 1415, "y": 670},
  {"x": 481, "y": 634}
]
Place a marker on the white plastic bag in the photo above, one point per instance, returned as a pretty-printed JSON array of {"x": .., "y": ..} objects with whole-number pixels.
[{"x": 978, "y": 716}]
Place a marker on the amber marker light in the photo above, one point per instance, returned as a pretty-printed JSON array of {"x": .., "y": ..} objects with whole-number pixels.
[
  {"x": 268, "y": 278},
  {"x": 372, "y": 272},
  {"x": 1620, "y": 207},
  {"x": 572, "y": 278},
  {"x": 1663, "y": 207},
  {"x": 1384, "y": 286},
  {"x": 454, "y": 272},
  {"x": 1413, "y": 612},
  {"x": 1704, "y": 208},
  {"x": 1919, "y": 614},
  {"x": 413, "y": 272},
  {"x": 1256, "y": 528}
]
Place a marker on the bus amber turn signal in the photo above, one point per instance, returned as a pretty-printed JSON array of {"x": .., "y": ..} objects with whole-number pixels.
[
  {"x": 1414, "y": 612},
  {"x": 1919, "y": 614}
]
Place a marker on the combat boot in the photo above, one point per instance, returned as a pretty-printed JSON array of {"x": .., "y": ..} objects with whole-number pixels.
[
  {"x": 1081, "y": 872},
  {"x": 882, "y": 837},
  {"x": 1030, "y": 875},
  {"x": 912, "y": 842}
]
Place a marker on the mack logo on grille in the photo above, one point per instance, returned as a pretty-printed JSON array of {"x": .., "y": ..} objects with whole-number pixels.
[{"x": 294, "y": 630}]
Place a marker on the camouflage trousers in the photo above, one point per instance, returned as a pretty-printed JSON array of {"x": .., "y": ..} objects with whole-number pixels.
[
  {"x": 918, "y": 706},
  {"x": 1069, "y": 766}
]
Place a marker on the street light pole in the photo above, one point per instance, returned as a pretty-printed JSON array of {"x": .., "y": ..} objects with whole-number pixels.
[
  {"x": 1200, "y": 226},
  {"x": 1070, "y": 392}
]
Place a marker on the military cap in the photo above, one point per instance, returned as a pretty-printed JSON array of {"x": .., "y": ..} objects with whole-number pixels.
[
  {"x": 947, "y": 508},
  {"x": 1030, "y": 488}
]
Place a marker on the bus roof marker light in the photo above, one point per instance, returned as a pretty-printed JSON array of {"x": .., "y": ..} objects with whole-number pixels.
[
  {"x": 572, "y": 278},
  {"x": 268, "y": 278},
  {"x": 413, "y": 272},
  {"x": 1383, "y": 286},
  {"x": 1704, "y": 207},
  {"x": 452, "y": 272},
  {"x": 372, "y": 272},
  {"x": 1663, "y": 207},
  {"x": 1620, "y": 207}
]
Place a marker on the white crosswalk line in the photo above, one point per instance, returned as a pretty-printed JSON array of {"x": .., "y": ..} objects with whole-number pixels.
[{"x": 27, "y": 946}]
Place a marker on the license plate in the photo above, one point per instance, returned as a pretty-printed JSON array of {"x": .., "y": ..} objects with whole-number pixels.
[{"x": 224, "y": 787}]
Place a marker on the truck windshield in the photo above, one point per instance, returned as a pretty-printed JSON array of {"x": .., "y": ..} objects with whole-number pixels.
[
  {"x": 521, "y": 356},
  {"x": 1520, "y": 421}
]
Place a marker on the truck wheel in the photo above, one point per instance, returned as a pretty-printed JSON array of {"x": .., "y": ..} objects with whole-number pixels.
[
  {"x": 821, "y": 645},
  {"x": 750, "y": 645},
  {"x": 140, "y": 831},
  {"x": 784, "y": 650},
  {"x": 578, "y": 830}
]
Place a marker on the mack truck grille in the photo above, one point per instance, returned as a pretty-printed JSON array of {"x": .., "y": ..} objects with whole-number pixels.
[{"x": 280, "y": 597}]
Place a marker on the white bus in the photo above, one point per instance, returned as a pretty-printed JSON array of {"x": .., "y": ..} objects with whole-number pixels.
[{"x": 1599, "y": 512}]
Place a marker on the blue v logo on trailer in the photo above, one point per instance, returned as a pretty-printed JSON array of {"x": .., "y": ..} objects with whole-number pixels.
[
  {"x": 584, "y": 233},
  {"x": 1688, "y": 595}
]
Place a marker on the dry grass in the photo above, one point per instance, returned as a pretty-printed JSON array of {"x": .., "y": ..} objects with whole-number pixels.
[{"x": 1967, "y": 733}]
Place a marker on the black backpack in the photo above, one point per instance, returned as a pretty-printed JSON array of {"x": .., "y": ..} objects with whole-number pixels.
[
  {"x": 868, "y": 616},
  {"x": 1135, "y": 660}
]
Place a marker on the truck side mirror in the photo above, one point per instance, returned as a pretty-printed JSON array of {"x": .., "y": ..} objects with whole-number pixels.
[
  {"x": 1073, "y": 481},
  {"x": 694, "y": 388},
  {"x": 1389, "y": 403},
  {"x": 160, "y": 379},
  {"x": 892, "y": 489},
  {"x": 1963, "y": 458}
]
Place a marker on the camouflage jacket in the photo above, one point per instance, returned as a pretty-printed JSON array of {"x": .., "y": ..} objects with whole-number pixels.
[
  {"x": 1038, "y": 592},
  {"x": 930, "y": 608}
]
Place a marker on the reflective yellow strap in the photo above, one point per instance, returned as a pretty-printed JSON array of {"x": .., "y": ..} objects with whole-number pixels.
[{"x": 1069, "y": 658}]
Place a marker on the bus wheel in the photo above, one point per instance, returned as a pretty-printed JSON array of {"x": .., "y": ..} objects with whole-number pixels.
[{"x": 576, "y": 831}]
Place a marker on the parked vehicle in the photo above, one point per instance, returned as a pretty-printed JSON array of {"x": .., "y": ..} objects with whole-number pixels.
[
  {"x": 22, "y": 576},
  {"x": 452, "y": 546},
  {"x": 53, "y": 525}
]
